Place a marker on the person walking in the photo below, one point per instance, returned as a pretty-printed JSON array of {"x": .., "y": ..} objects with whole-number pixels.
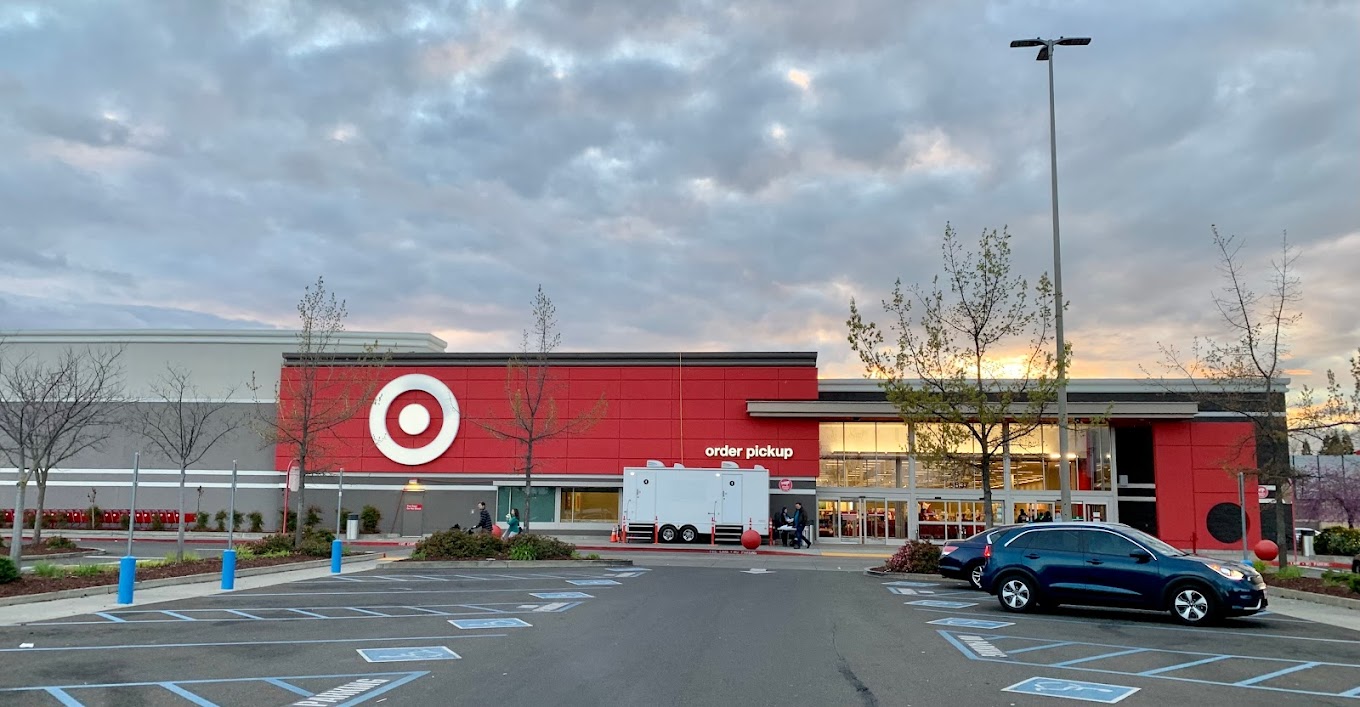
[
  {"x": 483, "y": 518},
  {"x": 512, "y": 523},
  {"x": 799, "y": 523}
]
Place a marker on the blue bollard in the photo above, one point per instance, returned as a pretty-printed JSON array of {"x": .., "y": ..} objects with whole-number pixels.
[
  {"x": 228, "y": 569},
  {"x": 127, "y": 575},
  {"x": 336, "y": 548}
]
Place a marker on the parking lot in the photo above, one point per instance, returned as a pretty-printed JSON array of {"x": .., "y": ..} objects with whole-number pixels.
[{"x": 754, "y": 631}]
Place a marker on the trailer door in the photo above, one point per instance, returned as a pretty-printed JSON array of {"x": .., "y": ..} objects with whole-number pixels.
[{"x": 731, "y": 500}]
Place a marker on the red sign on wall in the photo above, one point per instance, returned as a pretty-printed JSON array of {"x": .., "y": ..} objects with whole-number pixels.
[
  {"x": 786, "y": 484},
  {"x": 415, "y": 507}
]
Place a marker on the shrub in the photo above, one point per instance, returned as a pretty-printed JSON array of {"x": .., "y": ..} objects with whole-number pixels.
[
  {"x": 1336, "y": 578},
  {"x": 46, "y": 569},
  {"x": 256, "y": 522},
  {"x": 314, "y": 546},
  {"x": 1338, "y": 541},
  {"x": 221, "y": 518},
  {"x": 369, "y": 518},
  {"x": 87, "y": 571},
  {"x": 544, "y": 547},
  {"x": 1353, "y": 582},
  {"x": 916, "y": 557},
  {"x": 156, "y": 522},
  {"x": 522, "y": 551},
  {"x": 201, "y": 522},
  {"x": 244, "y": 552},
  {"x": 277, "y": 542},
  {"x": 291, "y": 523},
  {"x": 176, "y": 557},
  {"x": 320, "y": 534},
  {"x": 8, "y": 571},
  {"x": 96, "y": 517},
  {"x": 1260, "y": 565},
  {"x": 58, "y": 542},
  {"x": 458, "y": 545},
  {"x": 313, "y": 518},
  {"x": 125, "y": 521}
]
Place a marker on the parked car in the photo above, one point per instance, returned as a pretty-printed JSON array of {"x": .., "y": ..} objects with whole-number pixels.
[
  {"x": 1114, "y": 565},
  {"x": 963, "y": 559}
]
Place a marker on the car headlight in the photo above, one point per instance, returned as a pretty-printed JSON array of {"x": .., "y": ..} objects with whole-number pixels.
[{"x": 1229, "y": 572}]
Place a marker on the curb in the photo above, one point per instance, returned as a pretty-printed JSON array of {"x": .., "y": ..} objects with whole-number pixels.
[
  {"x": 63, "y": 556},
  {"x": 169, "y": 581},
  {"x": 522, "y": 564},
  {"x": 709, "y": 550},
  {"x": 1314, "y": 598}
]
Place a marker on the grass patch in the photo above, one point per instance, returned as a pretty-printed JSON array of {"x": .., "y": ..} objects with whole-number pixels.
[
  {"x": 88, "y": 570},
  {"x": 47, "y": 569}
]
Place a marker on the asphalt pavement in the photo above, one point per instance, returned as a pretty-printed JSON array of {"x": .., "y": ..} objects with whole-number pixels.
[{"x": 672, "y": 630}]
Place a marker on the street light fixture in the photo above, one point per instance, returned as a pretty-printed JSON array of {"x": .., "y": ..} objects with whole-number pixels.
[{"x": 1046, "y": 54}]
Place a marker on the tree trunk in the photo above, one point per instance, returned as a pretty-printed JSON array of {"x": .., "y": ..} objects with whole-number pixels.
[
  {"x": 301, "y": 495},
  {"x": 987, "y": 489},
  {"x": 17, "y": 542},
  {"x": 528, "y": 490},
  {"x": 1281, "y": 532},
  {"x": 38, "y": 517},
  {"x": 179, "y": 541}
]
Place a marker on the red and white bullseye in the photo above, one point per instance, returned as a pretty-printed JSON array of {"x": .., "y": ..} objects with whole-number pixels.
[{"x": 413, "y": 419}]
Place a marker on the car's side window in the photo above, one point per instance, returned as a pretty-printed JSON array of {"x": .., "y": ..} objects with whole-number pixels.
[
  {"x": 1101, "y": 543},
  {"x": 1055, "y": 540}
]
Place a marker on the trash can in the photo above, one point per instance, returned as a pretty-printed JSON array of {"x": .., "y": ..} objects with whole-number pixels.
[
  {"x": 352, "y": 527},
  {"x": 1306, "y": 540}
]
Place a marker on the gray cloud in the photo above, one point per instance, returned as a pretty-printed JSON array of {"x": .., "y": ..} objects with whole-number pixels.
[{"x": 677, "y": 175}]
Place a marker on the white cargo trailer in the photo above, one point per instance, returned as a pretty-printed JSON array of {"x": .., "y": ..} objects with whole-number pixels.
[{"x": 679, "y": 503}]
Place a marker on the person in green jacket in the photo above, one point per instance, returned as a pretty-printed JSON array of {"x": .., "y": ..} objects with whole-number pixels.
[{"x": 512, "y": 520}]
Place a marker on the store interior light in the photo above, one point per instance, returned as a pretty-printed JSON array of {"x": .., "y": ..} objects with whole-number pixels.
[{"x": 413, "y": 485}]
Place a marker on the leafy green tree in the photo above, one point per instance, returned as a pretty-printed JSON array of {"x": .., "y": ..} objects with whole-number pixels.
[{"x": 969, "y": 355}]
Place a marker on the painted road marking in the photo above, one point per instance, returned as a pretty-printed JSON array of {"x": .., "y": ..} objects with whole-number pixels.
[
  {"x": 628, "y": 569},
  {"x": 399, "y": 655},
  {"x": 942, "y": 604},
  {"x": 628, "y": 574},
  {"x": 911, "y": 584},
  {"x": 756, "y": 570},
  {"x": 363, "y": 639},
  {"x": 1072, "y": 690},
  {"x": 909, "y": 591},
  {"x": 391, "y": 611},
  {"x": 374, "y": 684},
  {"x": 561, "y": 595},
  {"x": 592, "y": 582},
  {"x": 972, "y": 623},
  {"x": 1014, "y": 646},
  {"x": 981, "y": 646},
  {"x": 489, "y": 623}
]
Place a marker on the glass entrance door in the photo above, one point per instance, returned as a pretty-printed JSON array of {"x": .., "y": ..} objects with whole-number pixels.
[{"x": 854, "y": 520}]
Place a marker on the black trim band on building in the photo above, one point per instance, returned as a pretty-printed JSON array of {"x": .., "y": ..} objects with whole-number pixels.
[{"x": 790, "y": 359}]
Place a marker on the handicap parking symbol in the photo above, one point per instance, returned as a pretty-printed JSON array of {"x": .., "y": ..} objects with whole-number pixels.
[
  {"x": 489, "y": 623},
  {"x": 1073, "y": 690},
  {"x": 936, "y": 603},
  {"x": 980, "y": 624},
  {"x": 591, "y": 582},
  {"x": 395, "y": 655}
]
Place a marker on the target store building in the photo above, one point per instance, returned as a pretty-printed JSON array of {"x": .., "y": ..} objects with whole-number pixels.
[{"x": 1153, "y": 454}]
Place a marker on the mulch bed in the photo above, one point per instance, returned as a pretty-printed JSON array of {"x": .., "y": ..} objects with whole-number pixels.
[
  {"x": 38, "y": 585},
  {"x": 44, "y": 549},
  {"x": 1311, "y": 584}
]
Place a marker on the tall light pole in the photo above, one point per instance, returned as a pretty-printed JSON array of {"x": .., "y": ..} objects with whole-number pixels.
[{"x": 1046, "y": 54}]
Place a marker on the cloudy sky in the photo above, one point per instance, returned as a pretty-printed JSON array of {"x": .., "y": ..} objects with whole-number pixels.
[{"x": 677, "y": 175}]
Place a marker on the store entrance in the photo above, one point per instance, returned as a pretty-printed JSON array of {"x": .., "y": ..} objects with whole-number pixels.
[{"x": 859, "y": 519}]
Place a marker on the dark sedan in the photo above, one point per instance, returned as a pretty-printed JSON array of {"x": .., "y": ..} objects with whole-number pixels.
[{"x": 963, "y": 559}]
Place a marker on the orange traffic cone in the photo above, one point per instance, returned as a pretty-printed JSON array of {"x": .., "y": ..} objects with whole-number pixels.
[{"x": 614, "y": 534}]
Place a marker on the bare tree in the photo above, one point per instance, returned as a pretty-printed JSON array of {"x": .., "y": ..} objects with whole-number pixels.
[
  {"x": 532, "y": 391},
  {"x": 1244, "y": 372},
  {"x": 941, "y": 368},
  {"x": 1324, "y": 487},
  {"x": 182, "y": 425},
  {"x": 50, "y": 411},
  {"x": 314, "y": 395}
]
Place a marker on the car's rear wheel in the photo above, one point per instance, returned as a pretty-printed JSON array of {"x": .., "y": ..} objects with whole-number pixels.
[
  {"x": 1017, "y": 593},
  {"x": 1193, "y": 605},
  {"x": 975, "y": 575}
]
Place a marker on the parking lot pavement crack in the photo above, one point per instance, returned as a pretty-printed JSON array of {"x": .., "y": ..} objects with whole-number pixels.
[{"x": 843, "y": 666}]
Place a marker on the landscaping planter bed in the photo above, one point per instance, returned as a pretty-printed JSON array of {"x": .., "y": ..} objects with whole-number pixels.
[
  {"x": 42, "y": 585},
  {"x": 1312, "y": 585}
]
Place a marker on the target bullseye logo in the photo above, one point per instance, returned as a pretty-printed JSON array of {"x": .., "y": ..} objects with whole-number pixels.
[{"x": 413, "y": 419}]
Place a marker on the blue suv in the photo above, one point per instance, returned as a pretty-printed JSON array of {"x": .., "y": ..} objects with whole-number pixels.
[{"x": 1114, "y": 565}]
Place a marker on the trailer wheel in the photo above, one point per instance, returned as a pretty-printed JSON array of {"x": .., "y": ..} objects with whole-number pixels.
[
  {"x": 667, "y": 534},
  {"x": 688, "y": 534}
]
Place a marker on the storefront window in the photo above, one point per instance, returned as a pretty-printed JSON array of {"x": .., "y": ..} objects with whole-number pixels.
[
  {"x": 953, "y": 520},
  {"x": 590, "y": 505},
  {"x": 832, "y": 473},
  {"x": 1035, "y": 461},
  {"x": 544, "y": 506}
]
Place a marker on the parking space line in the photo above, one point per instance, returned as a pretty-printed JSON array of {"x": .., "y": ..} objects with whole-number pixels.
[
  {"x": 1276, "y": 674},
  {"x": 1353, "y": 692},
  {"x": 186, "y": 694},
  {"x": 304, "y": 612},
  {"x": 181, "y": 617},
  {"x": 432, "y": 611},
  {"x": 62, "y": 697},
  {"x": 242, "y": 613},
  {"x": 1036, "y": 648},
  {"x": 1191, "y": 664},
  {"x": 360, "y": 639},
  {"x": 288, "y": 686},
  {"x": 111, "y": 617},
  {"x": 366, "y": 611},
  {"x": 1066, "y": 663}
]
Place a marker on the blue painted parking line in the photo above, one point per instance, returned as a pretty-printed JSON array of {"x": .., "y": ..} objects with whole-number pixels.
[
  {"x": 304, "y": 612},
  {"x": 981, "y": 647},
  {"x": 195, "y": 699},
  {"x": 489, "y": 623},
  {"x": 943, "y": 604},
  {"x": 1072, "y": 690},
  {"x": 288, "y": 686},
  {"x": 62, "y": 697},
  {"x": 110, "y": 617},
  {"x": 561, "y": 595},
  {"x": 181, "y": 617},
  {"x": 911, "y": 584},
  {"x": 909, "y": 590},
  {"x": 366, "y": 687},
  {"x": 404, "y": 655},
  {"x": 972, "y": 623},
  {"x": 592, "y": 582}
]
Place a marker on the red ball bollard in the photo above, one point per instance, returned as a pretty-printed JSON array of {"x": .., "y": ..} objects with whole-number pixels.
[
  {"x": 495, "y": 530},
  {"x": 750, "y": 539},
  {"x": 1267, "y": 550}
]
